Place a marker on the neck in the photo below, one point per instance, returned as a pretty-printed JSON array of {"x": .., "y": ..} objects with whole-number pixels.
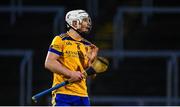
[{"x": 73, "y": 34}]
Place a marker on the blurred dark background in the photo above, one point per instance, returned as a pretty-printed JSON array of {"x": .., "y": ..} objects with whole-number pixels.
[{"x": 139, "y": 37}]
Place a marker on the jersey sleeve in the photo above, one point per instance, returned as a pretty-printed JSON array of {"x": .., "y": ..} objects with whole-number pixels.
[{"x": 56, "y": 45}]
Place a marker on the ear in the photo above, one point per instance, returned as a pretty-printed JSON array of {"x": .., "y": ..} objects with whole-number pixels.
[{"x": 75, "y": 24}]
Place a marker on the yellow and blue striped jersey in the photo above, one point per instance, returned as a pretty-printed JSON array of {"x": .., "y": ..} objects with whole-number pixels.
[{"x": 73, "y": 55}]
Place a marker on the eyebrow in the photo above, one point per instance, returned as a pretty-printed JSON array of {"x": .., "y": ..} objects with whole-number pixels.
[{"x": 86, "y": 18}]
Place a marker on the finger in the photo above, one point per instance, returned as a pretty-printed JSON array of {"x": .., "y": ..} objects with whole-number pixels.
[
  {"x": 70, "y": 80},
  {"x": 82, "y": 76}
]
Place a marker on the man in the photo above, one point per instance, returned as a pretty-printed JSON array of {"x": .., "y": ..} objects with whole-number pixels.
[{"x": 68, "y": 57}]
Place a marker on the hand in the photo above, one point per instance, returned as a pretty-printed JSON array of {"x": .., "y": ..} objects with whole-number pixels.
[{"x": 76, "y": 76}]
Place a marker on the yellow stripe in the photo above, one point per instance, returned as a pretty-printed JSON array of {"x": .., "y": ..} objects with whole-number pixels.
[{"x": 53, "y": 101}]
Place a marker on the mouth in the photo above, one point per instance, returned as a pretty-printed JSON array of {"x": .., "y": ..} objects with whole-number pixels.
[{"x": 88, "y": 28}]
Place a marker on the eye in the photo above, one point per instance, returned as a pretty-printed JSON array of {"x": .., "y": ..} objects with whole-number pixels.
[{"x": 85, "y": 19}]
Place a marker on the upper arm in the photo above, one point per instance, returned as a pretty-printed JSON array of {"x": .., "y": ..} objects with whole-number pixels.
[
  {"x": 56, "y": 46},
  {"x": 55, "y": 49},
  {"x": 52, "y": 56}
]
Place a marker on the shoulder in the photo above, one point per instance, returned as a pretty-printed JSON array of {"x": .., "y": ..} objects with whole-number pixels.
[
  {"x": 60, "y": 37},
  {"x": 64, "y": 36}
]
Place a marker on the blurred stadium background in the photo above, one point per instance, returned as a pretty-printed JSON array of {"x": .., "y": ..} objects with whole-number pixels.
[{"x": 141, "y": 38}]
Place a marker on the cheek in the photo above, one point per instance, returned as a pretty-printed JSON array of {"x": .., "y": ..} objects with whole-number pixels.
[{"x": 83, "y": 25}]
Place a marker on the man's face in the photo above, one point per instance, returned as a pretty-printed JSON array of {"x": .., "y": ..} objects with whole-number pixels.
[{"x": 85, "y": 25}]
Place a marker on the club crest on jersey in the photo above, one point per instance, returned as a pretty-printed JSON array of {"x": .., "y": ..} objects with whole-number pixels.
[{"x": 68, "y": 43}]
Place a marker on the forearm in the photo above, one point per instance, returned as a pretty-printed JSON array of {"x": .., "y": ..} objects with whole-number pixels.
[{"x": 57, "y": 67}]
